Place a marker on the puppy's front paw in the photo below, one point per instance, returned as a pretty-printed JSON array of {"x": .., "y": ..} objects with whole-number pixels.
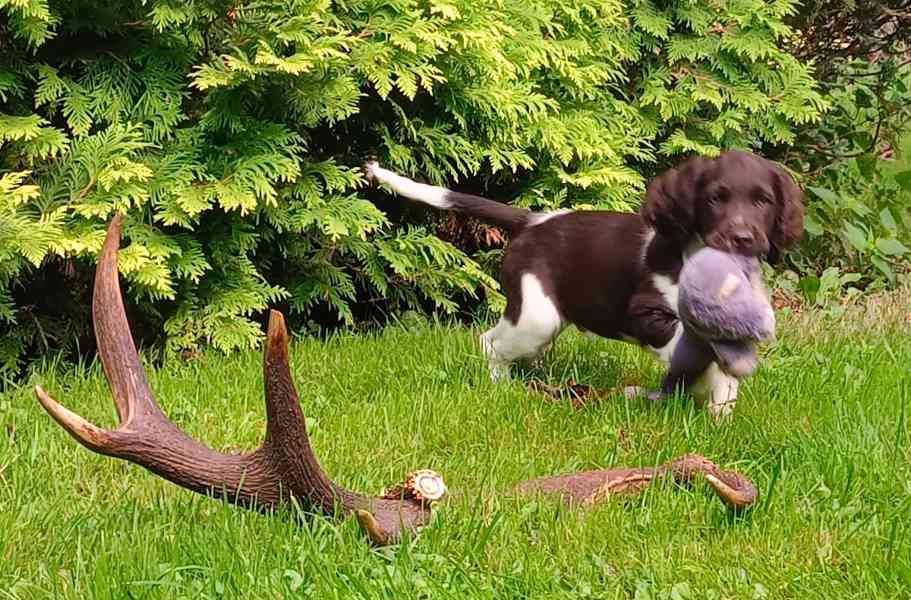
[
  {"x": 637, "y": 392},
  {"x": 722, "y": 412},
  {"x": 499, "y": 373},
  {"x": 768, "y": 325}
]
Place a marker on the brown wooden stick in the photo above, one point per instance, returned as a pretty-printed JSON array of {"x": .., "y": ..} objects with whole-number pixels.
[{"x": 283, "y": 470}]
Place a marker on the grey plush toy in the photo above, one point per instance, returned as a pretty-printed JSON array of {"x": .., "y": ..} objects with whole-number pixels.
[{"x": 723, "y": 306}]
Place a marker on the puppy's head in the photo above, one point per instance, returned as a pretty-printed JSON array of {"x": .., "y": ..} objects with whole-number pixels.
[{"x": 737, "y": 202}]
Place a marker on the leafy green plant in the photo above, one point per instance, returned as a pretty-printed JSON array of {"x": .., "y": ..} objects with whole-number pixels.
[
  {"x": 853, "y": 162},
  {"x": 864, "y": 222},
  {"x": 858, "y": 218},
  {"x": 857, "y": 236},
  {"x": 231, "y": 135}
]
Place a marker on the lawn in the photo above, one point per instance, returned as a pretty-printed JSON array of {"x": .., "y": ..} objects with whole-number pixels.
[{"x": 822, "y": 429}]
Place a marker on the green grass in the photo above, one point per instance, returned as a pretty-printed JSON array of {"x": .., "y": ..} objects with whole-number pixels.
[{"x": 822, "y": 429}]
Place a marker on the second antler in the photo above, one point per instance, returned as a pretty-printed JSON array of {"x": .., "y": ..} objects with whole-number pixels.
[
  {"x": 590, "y": 487},
  {"x": 283, "y": 470}
]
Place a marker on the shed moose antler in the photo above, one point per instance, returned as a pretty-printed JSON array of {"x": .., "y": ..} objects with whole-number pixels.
[{"x": 282, "y": 470}]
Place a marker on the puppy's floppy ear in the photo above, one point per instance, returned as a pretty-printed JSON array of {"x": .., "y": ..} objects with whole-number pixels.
[
  {"x": 788, "y": 227},
  {"x": 670, "y": 201}
]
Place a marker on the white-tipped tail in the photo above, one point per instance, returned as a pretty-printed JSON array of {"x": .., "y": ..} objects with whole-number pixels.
[{"x": 428, "y": 194}]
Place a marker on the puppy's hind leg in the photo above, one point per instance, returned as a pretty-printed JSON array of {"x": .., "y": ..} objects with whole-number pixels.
[
  {"x": 490, "y": 339},
  {"x": 538, "y": 324}
]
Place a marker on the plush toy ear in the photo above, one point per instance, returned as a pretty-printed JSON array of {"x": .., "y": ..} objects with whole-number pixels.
[
  {"x": 671, "y": 198},
  {"x": 788, "y": 226}
]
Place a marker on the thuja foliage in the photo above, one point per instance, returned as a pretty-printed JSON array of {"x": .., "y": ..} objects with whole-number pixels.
[{"x": 230, "y": 132}]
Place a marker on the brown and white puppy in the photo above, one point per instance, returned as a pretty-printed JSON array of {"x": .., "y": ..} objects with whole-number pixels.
[{"x": 615, "y": 274}]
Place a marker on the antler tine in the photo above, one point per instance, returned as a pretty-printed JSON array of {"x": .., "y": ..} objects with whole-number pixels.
[
  {"x": 91, "y": 436},
  {"x": 119, "y": 357},
  {"x": 286, "y": 440},
  {"x": 406, "y": 508},
  {"x": 284, "y": 417},
  {"x": 735, "y": 490}
]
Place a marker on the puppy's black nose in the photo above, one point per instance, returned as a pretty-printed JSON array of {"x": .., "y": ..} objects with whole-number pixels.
[{"x": 743, "y": 238}]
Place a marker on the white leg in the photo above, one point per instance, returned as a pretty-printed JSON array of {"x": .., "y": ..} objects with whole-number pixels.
[
  {"x": 499, "y": 366},
  {"x": 539, "y": 323},
  {"x": 717, "y": 391}
]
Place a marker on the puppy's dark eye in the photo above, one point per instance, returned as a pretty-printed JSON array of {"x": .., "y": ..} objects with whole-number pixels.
[
  {"x": 718, "y": 196},
  {"x": 760, "y": 199}
]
